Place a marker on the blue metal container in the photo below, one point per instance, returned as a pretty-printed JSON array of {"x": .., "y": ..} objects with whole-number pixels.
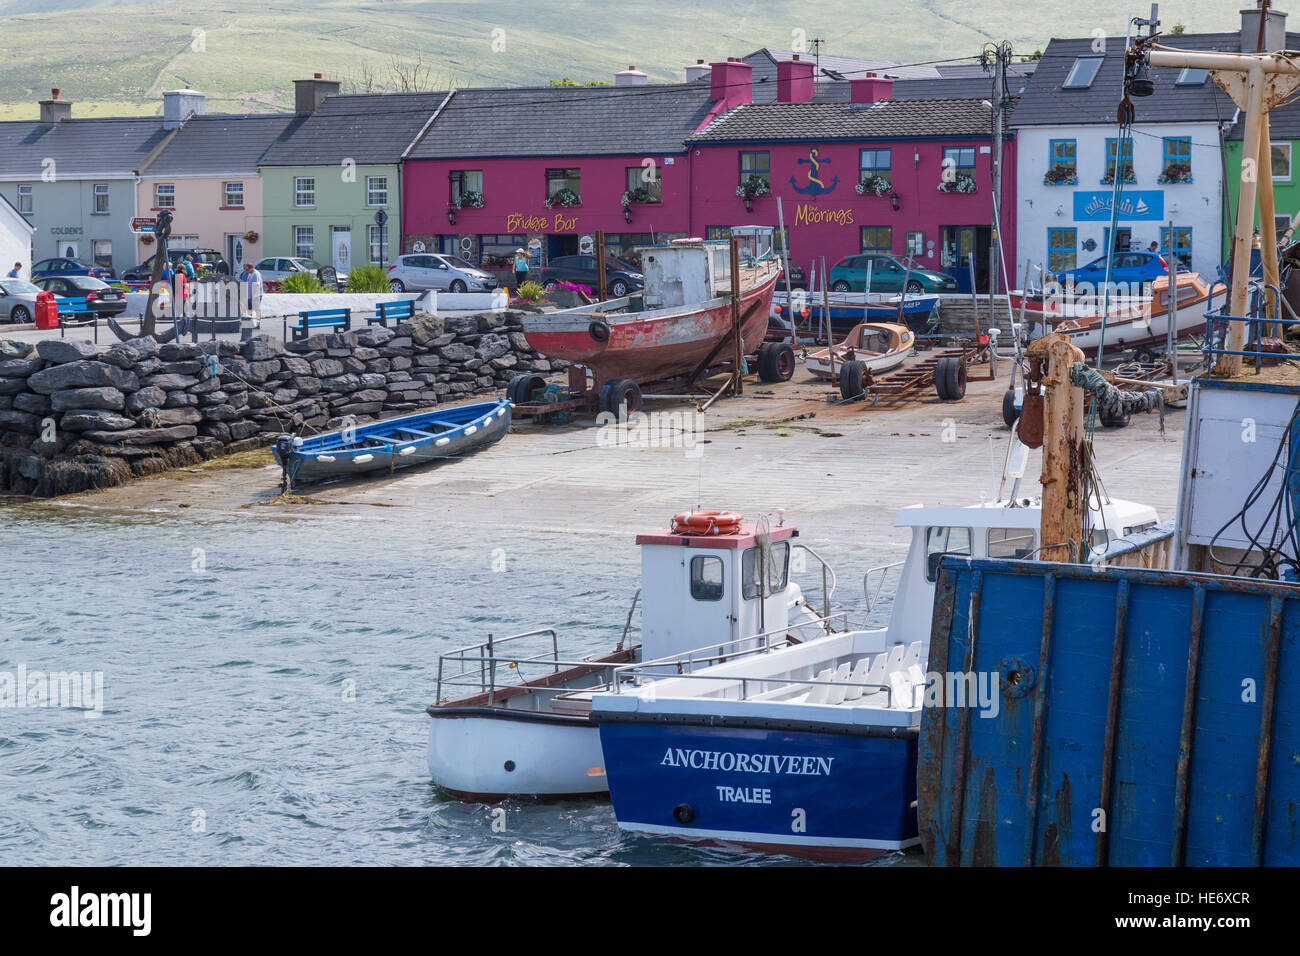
[{"x": 1146, "y": 718}]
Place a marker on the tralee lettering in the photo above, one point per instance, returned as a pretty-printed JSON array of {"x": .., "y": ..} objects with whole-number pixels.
[{"x": 747, "y": 763}]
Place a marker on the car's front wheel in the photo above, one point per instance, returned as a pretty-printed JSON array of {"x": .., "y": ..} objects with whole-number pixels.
[
  {"x": 457, "y": 286},
  {"x": 914, "y": 288},
  {"x": 840, "y": 286},
  {"x": 19, "y": 314},
  {"x": 396, "y": 285},
  {"x": 618, "y": 289}
]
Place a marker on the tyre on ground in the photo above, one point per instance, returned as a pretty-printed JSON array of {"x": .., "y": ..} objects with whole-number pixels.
[
  {"x": 521, "y": 388},
  {"x": 621, "y": 396},
  {"x": 776, "y": 362},
  {"x": 852, "y": 376}
]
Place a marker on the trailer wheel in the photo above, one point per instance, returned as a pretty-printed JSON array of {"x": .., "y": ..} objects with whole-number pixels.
[
  {"x": 851, "y": 378},
  {"x": 1110, "y": 420},
  {"x": 1144, "y": 355},
  {"x": 775, "y": 362},
  {"x": 952, "y": 372},
  {"x": 1009, "y": 411},
  {"x": 620, "y": 394},
  {"x": 521, "y": 388}
]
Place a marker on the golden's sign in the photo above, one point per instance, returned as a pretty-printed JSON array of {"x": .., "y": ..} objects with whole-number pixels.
[
  {"x": 517, "y": 222},
  {"x": 806, "y": 215}
]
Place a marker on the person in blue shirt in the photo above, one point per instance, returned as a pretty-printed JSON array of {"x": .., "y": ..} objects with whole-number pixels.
[
  {"x": 17, "y": 271},
  {"x": 188, "y": 264}
]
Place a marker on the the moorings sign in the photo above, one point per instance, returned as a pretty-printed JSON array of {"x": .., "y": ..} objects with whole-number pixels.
[{"x": 1095, "y": 205}]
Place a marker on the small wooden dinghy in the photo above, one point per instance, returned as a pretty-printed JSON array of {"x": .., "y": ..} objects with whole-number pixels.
[
  {"x": 391, "y": 444},
  {"x": 879, "y": 346}
]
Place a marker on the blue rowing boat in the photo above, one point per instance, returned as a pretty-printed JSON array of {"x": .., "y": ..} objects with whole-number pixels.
[{"x": 395, "y": 443}]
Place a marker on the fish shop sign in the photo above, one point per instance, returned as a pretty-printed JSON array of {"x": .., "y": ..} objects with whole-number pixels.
[{"x": 747, "y": 763}]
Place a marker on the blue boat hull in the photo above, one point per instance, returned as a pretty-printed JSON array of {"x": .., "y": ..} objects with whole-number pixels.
[
  {"x": 1147, "y": 718},
  {"x": 814, "y": 793}
]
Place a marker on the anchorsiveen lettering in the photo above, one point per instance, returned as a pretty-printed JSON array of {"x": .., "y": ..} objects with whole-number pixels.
[{"x": 747, "y": 763}]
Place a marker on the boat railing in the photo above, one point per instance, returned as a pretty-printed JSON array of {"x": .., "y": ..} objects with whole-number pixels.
[
  {"x": 873, "y": 594},
  {"x": 828, "y": 578},
  {"x": 1152, "y": 548},
  {"x": 478, "y": 661},
  {"x": 686, "y": 662},
  {"x": 769, "y": 684},
  {"x": 1218, "y": 325}
]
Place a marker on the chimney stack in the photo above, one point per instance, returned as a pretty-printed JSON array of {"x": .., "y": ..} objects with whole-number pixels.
[
  {"x": 630, "y": 77},
  {"x": 697, "y": 71},
  {"x": 870, "y": 88},
  {"x": 732, "y": 83},
  {"x": 1274, "y": 30},
  {"x": 794, "y": 80},
  {"x": 307, "y": 94},
  {"x": 54, "y": 109},
  {"x": 180, "y": 105}
]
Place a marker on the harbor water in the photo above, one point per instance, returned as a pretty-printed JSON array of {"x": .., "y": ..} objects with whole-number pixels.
[{"x": 264, "y": 679}]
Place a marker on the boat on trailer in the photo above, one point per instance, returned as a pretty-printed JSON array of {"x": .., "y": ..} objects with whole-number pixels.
[
  {"x": 810, "y": 747},
  {"x": 879, "y": 347},
  {"x": 534, "y": 736},
  {"x": 394, "y": 443},
  {"x": 850, "y": 308}
]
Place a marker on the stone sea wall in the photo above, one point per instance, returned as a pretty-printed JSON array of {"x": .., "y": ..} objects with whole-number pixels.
[{"x": 75, "y": 416}]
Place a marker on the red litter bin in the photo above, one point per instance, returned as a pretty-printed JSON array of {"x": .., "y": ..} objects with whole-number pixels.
[{"x": 47, "y": 311}]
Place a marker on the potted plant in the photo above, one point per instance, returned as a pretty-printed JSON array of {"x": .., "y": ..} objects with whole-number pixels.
[
  {"x": 1109, "y": 178},
  {"x": 563, "y": 197},
  {"x": 1061, "y": 176},
  {"x": 1175, "y": 173},
  {"x": 962, "y": 184},
  {"x": 640, "y": 194},
  {"x": 876, "y": 185},
  {"x": 750, "y": 188},
  {"x": 146, "y": 240},
  {"x": 251, "y": 236},
  {"x": 470, "y": 198}
]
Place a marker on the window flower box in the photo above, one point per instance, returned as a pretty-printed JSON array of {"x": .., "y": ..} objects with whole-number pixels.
[
  {"x": 962, "y": 184},
  {"x": 1129, "y": 177},
  {"x": 1061, "y": 176},
  {"x": 564, "y": 197},
  {"x": 1175, "y": 173},
  {"x": 472, "y": 199},
  {"x": 752, "y": 187},
  {"x": 638, "y": 195},
  {"x": 876, "y": 185}
]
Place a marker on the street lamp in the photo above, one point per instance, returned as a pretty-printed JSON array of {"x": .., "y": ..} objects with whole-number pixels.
[{"x": 893, "y": 200}]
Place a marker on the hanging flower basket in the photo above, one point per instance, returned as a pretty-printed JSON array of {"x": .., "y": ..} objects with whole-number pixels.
[
  {"x": 564, "y": 197},
  {"x": 471, "y": 198},
  {"x": 876, "y": 185},
  {"x": 251, "y": 236},
  {"x": 962, "y": 184},
  {"x": 640, "y": 194},
  {"x": 1061, "y": 176},
  {"x": 1175, "y": 173},
  {"x": 752, "y": 187},
  {"x": 146, "y": 240}
]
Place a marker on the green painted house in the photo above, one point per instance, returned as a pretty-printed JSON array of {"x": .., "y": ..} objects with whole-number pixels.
[
  {"x": 1283, "y": 166},
  {"x": 334, "y": 168}
]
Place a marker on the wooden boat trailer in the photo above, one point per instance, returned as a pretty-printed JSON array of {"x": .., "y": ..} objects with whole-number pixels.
[{"x": 913, "y": 379}]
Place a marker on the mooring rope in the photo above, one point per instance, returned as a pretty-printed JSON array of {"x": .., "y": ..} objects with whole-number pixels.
[{"x": 1113, "y": 401}]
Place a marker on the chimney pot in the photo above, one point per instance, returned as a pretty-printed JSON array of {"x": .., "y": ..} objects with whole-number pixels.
[
  {"x": 630, "y": 77},
  {"x": 870, "y": 89},
  {"x": 54, "y": 109},
  {"x": 54, "y": 93}
]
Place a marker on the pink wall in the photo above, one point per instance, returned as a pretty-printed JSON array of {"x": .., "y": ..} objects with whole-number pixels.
[
  {"x": 514, "y": 195},
  {"x": 830, "y": 224}
]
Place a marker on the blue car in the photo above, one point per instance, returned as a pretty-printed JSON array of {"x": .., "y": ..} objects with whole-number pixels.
[
  {"x": 61, "y": 266},
  {"x": 1130, "y": 268}
]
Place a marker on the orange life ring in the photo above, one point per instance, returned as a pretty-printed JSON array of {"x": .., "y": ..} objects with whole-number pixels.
[{"x": 706, "y": 522}]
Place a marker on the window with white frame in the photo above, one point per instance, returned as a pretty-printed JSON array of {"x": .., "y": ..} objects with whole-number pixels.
[
  {"x": 377, "y": 240},
  {"x": 304, "y": 190},
  {"x": 25, "y": 199},
  {"x": 376, "y": 190},
  {"x": 1280, "y": 158},
  {"x": 101, "y": 199},
  {"x": 164, "y": 195},
  {"x": 232, "y": 195},
  {"x": 304, "y": 242}
]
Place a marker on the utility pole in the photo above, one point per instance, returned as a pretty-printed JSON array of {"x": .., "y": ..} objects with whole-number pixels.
[{"x": 1002, "y": 55}]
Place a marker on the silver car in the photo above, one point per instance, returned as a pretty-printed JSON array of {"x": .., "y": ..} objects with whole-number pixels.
[
  {"x": 279, "y": 268},
  {"x": 421, "y": 271},
  {"x": 17, "y": 300}
]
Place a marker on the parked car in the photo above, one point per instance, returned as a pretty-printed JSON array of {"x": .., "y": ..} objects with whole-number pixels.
[
  {"x": 421, "y": 271},
  {"x": 17, "y": 300},
  {"x": 279, "y": 268},
  {"x": 620, "y": 277},
  {"x": 61, "y": 266},
  {"x": 99, "y": 295},
  {"x": 1129, "y": 268},
  {"x": 204, "y": 260},
  {"x": 798, "y": 277},
  {"x": 888, "y": 273}
]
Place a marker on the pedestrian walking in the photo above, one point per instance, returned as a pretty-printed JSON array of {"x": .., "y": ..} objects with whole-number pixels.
[
  {"x": 252, "y": 280},
  {"x": 521, "y": 268}
]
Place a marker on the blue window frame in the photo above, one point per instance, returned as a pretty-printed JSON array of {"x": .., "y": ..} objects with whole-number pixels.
[
  {"x": 1064, "y": 154},
  {"x": 1062, "y": 249},
  {"x": 1178, "y": 241},
  {"x": 1112, "y": 148},
  {"x": 1177, "y": 166}
]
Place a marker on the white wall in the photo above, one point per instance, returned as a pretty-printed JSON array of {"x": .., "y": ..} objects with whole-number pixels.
[
  {"x": 15, "y": 243},
  {"x": 1197, "y": 205}
]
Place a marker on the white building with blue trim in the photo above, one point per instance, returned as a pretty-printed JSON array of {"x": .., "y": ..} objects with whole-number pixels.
[{"x": 1173, "y": 190}]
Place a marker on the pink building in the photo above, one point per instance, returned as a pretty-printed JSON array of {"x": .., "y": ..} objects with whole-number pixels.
[{"x": 478, "y": 181}]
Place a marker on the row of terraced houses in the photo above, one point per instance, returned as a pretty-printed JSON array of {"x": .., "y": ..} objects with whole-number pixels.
[{"x": 855, "y": 149}]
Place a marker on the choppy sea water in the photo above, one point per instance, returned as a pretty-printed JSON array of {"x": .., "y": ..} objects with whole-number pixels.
[{"x": 264, "y": 686}]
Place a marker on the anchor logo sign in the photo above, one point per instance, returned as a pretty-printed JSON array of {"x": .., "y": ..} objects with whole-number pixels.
[{"x": 815, "y": 186}]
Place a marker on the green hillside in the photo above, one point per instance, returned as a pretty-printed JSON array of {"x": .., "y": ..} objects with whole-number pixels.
[{"x": 115, "y": 58}]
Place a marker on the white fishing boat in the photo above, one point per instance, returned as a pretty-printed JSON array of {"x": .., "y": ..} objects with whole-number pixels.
[
  {"x": 878, "y": 346},
  {"x": 810, "y": 747},
  {"x": 511, "y": 716}
]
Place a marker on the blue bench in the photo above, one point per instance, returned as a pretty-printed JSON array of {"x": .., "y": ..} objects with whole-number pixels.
[
  {"x": 340, "y": 320},
  {"x": 74, "y": 311},
  {"x": 392, "y": 310}
]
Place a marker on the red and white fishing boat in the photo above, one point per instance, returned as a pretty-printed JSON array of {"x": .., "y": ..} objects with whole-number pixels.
[
  {"x": 1132, "y": 323},
  {"x": 685, "y": 326}
]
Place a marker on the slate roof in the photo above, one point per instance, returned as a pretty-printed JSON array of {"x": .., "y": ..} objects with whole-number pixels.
[
  {"x": 219, "y": 145},
  {"x": 80, "y": 148},
  {"x": 13, "y": 210},
  {"x": 886, "y": 119},
  {"x": 368, "y": 128},
  {"x": 1046, "y": 103},
  {"x": 565, "y": 120},
  {"x": 835, "y": 70}
]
